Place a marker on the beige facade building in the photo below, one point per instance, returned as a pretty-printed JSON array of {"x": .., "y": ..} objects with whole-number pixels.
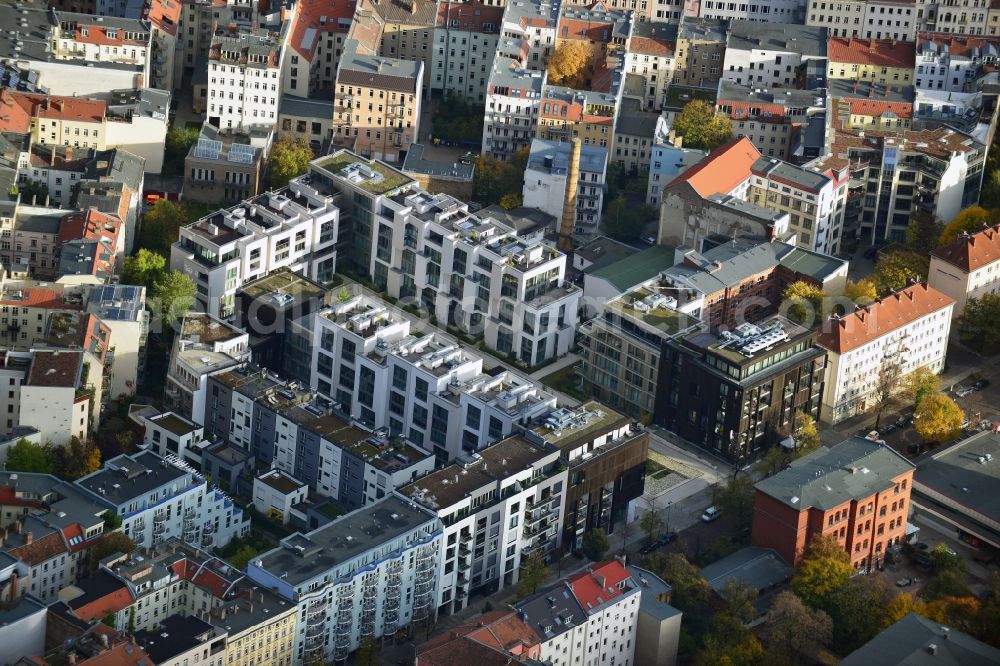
[
  {"x": 701, "y": 46},
  {"x": 223, "y": 168}
]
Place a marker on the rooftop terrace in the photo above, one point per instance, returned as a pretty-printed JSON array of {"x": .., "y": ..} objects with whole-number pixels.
[{"x": 370, "y": 175}]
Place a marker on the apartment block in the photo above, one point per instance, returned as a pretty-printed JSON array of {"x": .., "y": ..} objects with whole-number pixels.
[
  {"x": 203, "y": 347},
  {"x": 347, "y": 578},
  {"x": 161, "y": 498},
  {"x": 857, "y": 492},
  {"x": 893, "y": 336},
  {"x": 651, "y": 55},
  {"x": 963, "y": 17},
  {"x": 668, "y": 158},
  {"x": 315, "y": 41},
  {"x": 170, "y": 434},
  {"x": 498, "y": 506},
  {"x": 701, "y": 46},
  {"x": 243, "y": 85},
  {"x": 786, "y": 123},
  {"x": 773, "y": 54},
  {"x": 56, "y": 396},
  {"x": 512, "y": 107},
  {"x": 465, "y": 43},
  {"x": 967, "y": 268},
  {"x": 384, "y": 371},
  {"x": 953, "y": 63},
  {"x": 310, "y": 438},
  {"x": 545, "y": 181},
  {"x": 122, "y": 309},
  {"x": 190, "y": 637},
  {"x": 635, "y": 134},
  {"x": 294, "y": 227},
  {"x": 226, "y": 167},
  {"x": 882, "y": 61},
  {"x": 275, "y": 493},
  {"x": 732, "y": 393},
  {"x": 870, "y": 19}
]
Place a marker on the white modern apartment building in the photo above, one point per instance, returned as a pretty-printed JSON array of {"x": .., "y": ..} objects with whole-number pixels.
[
  {"x": 782, "y": 11},
  {"x": 890, "y": 338},
  {"x": 498, "y": 507},
  {"x": 277, "y": 492},
  {"x": 465, "y": 43},
  {"x": 122, "y": 308},
  {"x": 490, "y": 278},
  {"x": 49, "y": 391},
  {"x": 952, "y": 62},
  {"x": 294, "y": 227},
  {"x": 243, "y": 78},
  {"x": 204, "y": 346},
  {"x": 872, "y": 19},
  {"x": 967, "y": 268},
  {"x": 772, "y": 55},
  {"x": 170, "y": 434},
  {"x": 311, "y": 438},
  {"x": 365, "y": 575},
  {"x": 545, "y": 181},
  {"x": 420, "y": 384},
  {"x": 161, "y": 498}
]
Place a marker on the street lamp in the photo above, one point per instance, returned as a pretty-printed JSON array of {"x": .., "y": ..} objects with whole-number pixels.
[{"x": 667, "y": 527}]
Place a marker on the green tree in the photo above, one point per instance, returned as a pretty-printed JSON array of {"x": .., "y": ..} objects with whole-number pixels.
[
  {"x": 979, "y": 320},
  {"x": 938, "y": 419},
  {"x": 805, "y": 302},
  {"x": 895, "y": 270},
  {"x": 511, "y": 200},
  {"x": 794, "y": 631},
  {"x": 775, "y": 459},
  {"x": 289, "y": 157},
  {"x": 970, "y": 220},
  {"x": 624, "y": 222},
  {"x": 77, "y": 458},
  {"x": 735, "y": 499},
  {"x": 176, "y": 148},
  {"x": 920, "y": 383},
  {"x": 650, "y": 524},
  {"x": 863, "y": 292},
  {"x": 144, "y": 268},
  {"x": 923, "y": 233},
  {"x": 161, "y": 225},
  {"x": 857, "y": 609},
  {"x": 174, "y": 293},
  {"x": 729, "y": 642},
  {"x": 241, "y": 558},
  {"x": 27, "y": 456},
  {"x": 458, "y": 121},
  {"x": 367, "y": 654},
  {"x": 595, "y": 544},
  {"x": 571, "y": 64},
  {"x": 702, "y": 126},
  {"x": 110, "y": 543},
  {"x": 534, "y": 572},
  {"x": 494, "y": 178},
  {"x": 825, "y": 568},
  {"x": 740, "y": 596},
  {"x": 690, "y": 590}
]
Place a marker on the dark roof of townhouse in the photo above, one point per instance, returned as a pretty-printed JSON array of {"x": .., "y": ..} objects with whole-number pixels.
[{"x": 918, "y": 641}]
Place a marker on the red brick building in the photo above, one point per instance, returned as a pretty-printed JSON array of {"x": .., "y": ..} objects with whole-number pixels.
[{"x": 857, "y": 492}]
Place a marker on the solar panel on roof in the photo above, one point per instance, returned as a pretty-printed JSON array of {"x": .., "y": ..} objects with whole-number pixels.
[
  {"x": 32, "y": 76},
  {"x": 207, "y": 149}
]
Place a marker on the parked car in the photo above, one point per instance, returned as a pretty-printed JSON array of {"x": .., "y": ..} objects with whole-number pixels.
[
  {"x": 980, "y": 385},
  {"x": 649, "y": 547},
  {"x": 711, "y": 513},
  {"x": 889, "y": 428},
  {"x": 963, "y": 391},
  {"x": 667, "y": 538},
  {"x": 906, "y": 582},
  {"x": 649, "y": 240}
]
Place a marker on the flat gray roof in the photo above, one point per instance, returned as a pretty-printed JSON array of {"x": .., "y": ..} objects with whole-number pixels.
[
  {"x": 126, "y": 477},
  {"x": 755, "y": 35},
  {"x": 760, "y": 567},
  {"x": 908, "y": 643},
  {"x": 304, "y": 107},
  {"x": 305, "y": 556},
  {"x": 963, "y": 474},
  {"x": 417, "y": 162}
]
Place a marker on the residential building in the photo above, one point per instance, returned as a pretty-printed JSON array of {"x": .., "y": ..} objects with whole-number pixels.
[
  {"x": 930, "y": 171},
  {"x": 864, "y": 510},
  {"x": 773, "y": 55},
  {"x": 735, "y": 393},
  {"x": 113, "y": 184},
  {"x": 512, "y": 107},
  {"x": 294, "y": 227},
  {"x": 965, "y": 17},
  {"x": 90, "y": 247},
  {"x": 786, "y": 123},
  {"x": 883, "y": 61},
  {"x": 348, "y": 577},
  {"x": 58, "y": 168},
  {"x": 159, "y": 498},
  {"x": 951, "y": 488},
  {"x": 45, "y": 560},
  {"x": 602, "y": 284},
  {"x": 701, "y": 45},
  {"x": 55, "y": 397},
  {"x": 275, "y": 493},
  {"x": 23, "y": 622},
  {"x": 169, "y": 434},
  {"x": 311, "y": 438},
  {"x": 316, "y": 40},
  {"x": 204, "y": 346},
  {"x": 668, "y": 158},
  {"x": 136, "y": 121},
  {"x": 495, "y": 636},
  {"x": 952, "y": 62},
  {"x": 382, "y": 129},
  {"x": 890, "y": 338},
  {"x": 164, "y": 17},
  {"x": 122, "y": 309},
  {"x": 915, "y": 638},
  {"x": 650, "y": 56},
  {"x": 243, "y": 85},
  {"x": 635, "y": 134},
  {"x": 545, "y": 181},
  {"x": 31, "y": 234},
  {"x": 25, "y": 307},
  {"x": 787, "y": 11},
  {"x": 373, "y": 362},
  {"x": 967, "y": 268},
  {"x": 605, "y": 452},
  {"x": 871, "y": 106},
  {"x": 178, "y": 640},
  {"x": 437, "y": 174},
  {"x": 226, "y": 167},
  {"x": 465, "y": 43},
  {"x": 814, "y": 201},
  {"x": 498, "y": 506},
  {"x": 869, "y": 19},
  {"x": 398, "y": 30},
  {"x": 657, "y": 636}
]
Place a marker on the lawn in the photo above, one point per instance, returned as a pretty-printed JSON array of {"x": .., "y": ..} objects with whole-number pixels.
[
  {"x": 678, "y": 96},
  {"x": 565, "y": 381}
]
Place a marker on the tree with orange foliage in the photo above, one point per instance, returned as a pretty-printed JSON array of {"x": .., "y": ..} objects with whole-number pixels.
[{"x": 571, "y": 65}]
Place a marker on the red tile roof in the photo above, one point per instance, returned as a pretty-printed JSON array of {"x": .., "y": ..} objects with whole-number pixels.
[
  {"x": 164, "y": 14},
  {"x": 960, "y": 45},
  {"x": 877, "y": 108},
  {"x": 881, "y": 318},
  {"x": 598, "y": 585},
  {"x": 504, "y": 630},
  {"x": 462, "y": 651},
  {"x": 15, "y": 114},
  {"x": 40, "y": 550},
  {"x": 973, "y": 251},
  {"x": 322, "y": 16},
  {"x": 879, "y": 52},
  {"x": 34, "y": 297},
  {"x": 470, "y": 16},
  {"x": 89, "y": 225},
  {"x": 722, "y": 169},
  {"x": 113, "y": 602}
]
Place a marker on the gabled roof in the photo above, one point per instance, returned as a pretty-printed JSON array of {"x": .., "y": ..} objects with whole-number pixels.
[
  {"x": 878, "y": 52},
  {"x": 722, "y": 170},
  {"x": 916, "y": 641},
  {"x": 314, "y": 17},
  {"x": 40, "y": 550},
  {"x": 885, "y": 315},
  {"x": 972, "y": 251},
  {"x": 598, "y": 585}
]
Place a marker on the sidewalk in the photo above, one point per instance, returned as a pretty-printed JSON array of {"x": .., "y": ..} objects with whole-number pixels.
[{"x": 568, "y": 359}]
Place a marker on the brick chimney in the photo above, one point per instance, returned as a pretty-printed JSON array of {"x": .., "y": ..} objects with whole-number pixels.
[{"x": 29, "y": 537}]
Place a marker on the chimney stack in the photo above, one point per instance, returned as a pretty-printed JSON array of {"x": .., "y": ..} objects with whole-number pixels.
[
  {"x": 29, "y": 537},
  {"x": 568, "y": 222}
]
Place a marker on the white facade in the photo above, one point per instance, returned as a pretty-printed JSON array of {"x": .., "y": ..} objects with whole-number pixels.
[
  {"x": 919, "y": 341},
  {"x": 351, "y": 581},
  {"x": 278, "y": 492},
  {"x": 969, "y": 272},
  {"x": 122, "y": 308},
  {"x": 951, "y": 65},
  {"x": 780, "y": 11},
  {"x": 427, "y": 388},
  {"x": 513, "y": 102},
  {"x": 55, "y": 412},
  {"x": 477, "y": 273},
  {"x": 162, "y": 498},
  {"x": 294, "y": 228},
  {"x": 667, "y": 159},
  {"x": 545, "y": 181},
  {"x": 169, "y": 434},
  {"x": 243, "y": 85},
  {"x": 755, "y": 62}
]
